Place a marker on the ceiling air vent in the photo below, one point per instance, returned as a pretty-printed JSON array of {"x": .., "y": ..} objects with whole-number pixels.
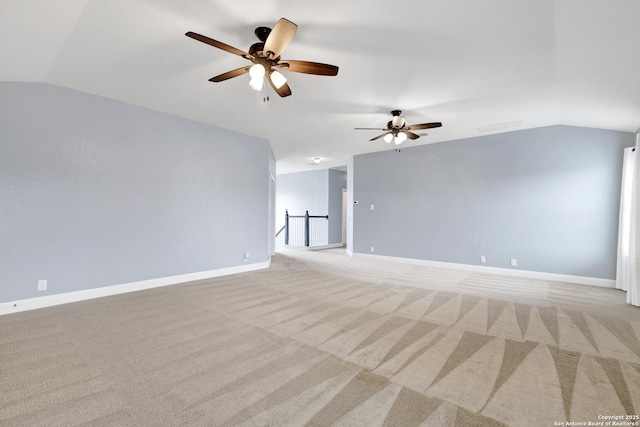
[{"x": 501, "y": 127}]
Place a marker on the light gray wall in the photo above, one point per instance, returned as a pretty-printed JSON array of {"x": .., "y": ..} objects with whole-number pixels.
[
  {"x": 302, "y": 191},
  {"x": 95, "y": 192},
  {"x": 548, "y": 197},
  {"x": 337, "y": 181}
]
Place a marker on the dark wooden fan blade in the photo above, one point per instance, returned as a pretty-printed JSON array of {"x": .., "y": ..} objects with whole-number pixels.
[
  {"x": 219, "y": 45},
  {"x": 230, "y": 74},
  {"x": 379, "y": 136},
  {"x": 279, "y": 38},
  {"x": 284, "y": 89},
  {"x": 424, "y": 126},
  {"x": 370, "y": 129},
  {"x": 307, "y": 67},
  {"x": 410, "y": 134}
]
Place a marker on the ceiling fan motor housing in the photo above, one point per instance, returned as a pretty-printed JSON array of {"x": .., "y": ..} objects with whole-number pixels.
[{"x": 255, "y": 48}]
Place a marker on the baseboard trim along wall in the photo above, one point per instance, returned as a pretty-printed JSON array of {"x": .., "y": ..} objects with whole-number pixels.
[
  {"x": 581, "y": 280},
  {"x": 64, "y": 298},
  {"x": 315, "y": 248}
]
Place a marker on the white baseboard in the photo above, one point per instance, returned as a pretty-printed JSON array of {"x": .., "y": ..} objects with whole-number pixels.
[
  {"x": 315, "y": 248},
  {"x": 554, "y": 277},
  {"x": 64, "y": 298}
]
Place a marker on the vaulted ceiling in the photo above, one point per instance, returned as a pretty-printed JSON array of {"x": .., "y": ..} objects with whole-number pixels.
[{"x": 465, "y": 63}]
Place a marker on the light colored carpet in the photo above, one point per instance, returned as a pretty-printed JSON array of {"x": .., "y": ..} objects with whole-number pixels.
[{"x": 322, "y": 339}]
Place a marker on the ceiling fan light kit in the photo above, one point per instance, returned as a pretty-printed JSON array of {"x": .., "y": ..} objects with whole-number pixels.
[
  {"x": 256, "y": 72},
  {"x": 277, "y": 78},
  {"x": 265, "y": 56}
]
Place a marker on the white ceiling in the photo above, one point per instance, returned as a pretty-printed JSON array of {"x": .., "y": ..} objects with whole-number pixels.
[{"x": 465, "y": 63}]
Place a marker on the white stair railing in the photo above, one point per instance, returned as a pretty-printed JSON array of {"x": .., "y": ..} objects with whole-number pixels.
[{"x": 305, "y": 230}]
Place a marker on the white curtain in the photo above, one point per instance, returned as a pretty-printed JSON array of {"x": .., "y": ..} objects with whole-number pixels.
[{"x": 628, "y": 250}]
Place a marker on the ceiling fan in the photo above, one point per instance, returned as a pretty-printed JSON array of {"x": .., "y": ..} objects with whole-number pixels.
[
  {"x": 398, "y": 131},
  {"x": 265, "y": 56}
]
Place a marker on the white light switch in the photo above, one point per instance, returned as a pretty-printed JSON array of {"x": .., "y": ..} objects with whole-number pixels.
[{"x": 371, "y": 206}]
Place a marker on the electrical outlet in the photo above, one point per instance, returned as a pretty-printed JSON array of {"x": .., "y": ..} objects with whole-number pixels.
[
  {"x": 372, "y": 206},
  {"x": 245, "y": 256},
  {"x": 371, "y": 249},
  {"x": 514, "y": 262},
  {"x": 482, "y": 259},
  {"x": 42, "y": 285}
]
